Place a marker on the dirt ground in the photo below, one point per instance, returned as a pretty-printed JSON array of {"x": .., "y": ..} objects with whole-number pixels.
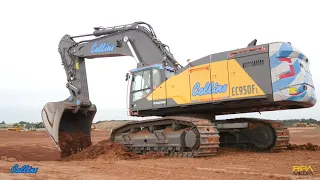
[{"x": 37, "y": 149}]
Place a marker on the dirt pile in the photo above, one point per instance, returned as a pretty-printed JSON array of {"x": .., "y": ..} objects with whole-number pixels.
[
  {"x": 108, "y": 150},
  {"x": 73, "y": 142},
  {"x": 308, "y": 146}
]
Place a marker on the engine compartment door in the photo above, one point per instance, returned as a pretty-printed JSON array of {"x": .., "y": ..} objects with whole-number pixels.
[
  {"x": 201, "y": 86},
  {"x": 220, "y": 80}
]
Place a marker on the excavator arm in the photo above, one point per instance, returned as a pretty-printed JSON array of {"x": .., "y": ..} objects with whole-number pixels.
[
  {"x": 129, "y": 40},
  {"x": 73, "y": 116}
]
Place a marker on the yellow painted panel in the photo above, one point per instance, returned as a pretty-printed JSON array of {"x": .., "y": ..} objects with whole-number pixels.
[
  {"x": 178, "y": 88},
  {"x": 220, "y": 80},
  {"x": 159, "y": 93},
  {"x": 200, "y": 83},
  {"x": 241, "y": 84}
]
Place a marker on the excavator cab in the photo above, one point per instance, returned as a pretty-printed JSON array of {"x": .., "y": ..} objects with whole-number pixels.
[{"x": 142, "y": 82}]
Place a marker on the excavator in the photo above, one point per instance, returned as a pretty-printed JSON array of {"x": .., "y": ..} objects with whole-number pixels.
[{"x": 184, "y": 100}]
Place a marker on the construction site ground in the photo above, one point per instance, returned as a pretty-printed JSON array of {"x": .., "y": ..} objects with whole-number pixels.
[{"x": 35, "y": 148}]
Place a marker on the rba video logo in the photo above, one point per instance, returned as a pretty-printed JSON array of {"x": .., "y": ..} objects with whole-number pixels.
[{"x": 302, "y": 170}]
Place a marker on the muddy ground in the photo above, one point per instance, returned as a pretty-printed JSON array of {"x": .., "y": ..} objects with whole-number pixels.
[{"x": 37, "y": 149}]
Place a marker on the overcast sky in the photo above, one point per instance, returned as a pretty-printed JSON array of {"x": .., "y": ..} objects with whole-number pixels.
[{"x": 31, "y": 73}]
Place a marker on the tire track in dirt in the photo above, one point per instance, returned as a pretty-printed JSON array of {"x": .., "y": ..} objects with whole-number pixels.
[
  {"x": 192, "y": 172},
  {"x": 281, "y": 176},
  {"x": 226, "y": 165}
]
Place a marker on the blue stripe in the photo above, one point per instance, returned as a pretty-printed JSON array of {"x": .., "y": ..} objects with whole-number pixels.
[
  {"x": 297, "y": 98},
  {"x": 283, "y": 83},
  {"x": 147, "y": 67},
  {"x": 300, "y": 56},
  {"x": 152, "y": 66},
  {"x": 300, "y": 96},
  {"x": 274, "y": 61},
  {"x": 285, "y": 50}
]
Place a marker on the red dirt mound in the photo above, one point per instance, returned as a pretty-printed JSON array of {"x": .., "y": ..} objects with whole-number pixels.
[
  {"x": 108, "y": 150},
  {"x": 308, "y": 146},
  {"x": 73, "y": 142}
]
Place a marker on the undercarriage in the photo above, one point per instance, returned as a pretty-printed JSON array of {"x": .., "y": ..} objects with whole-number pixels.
[
  {"x": 253, "y": 134},
  {"x": 196, "y": 137}
]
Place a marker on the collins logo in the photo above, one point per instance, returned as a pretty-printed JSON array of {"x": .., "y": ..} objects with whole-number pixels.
[
  {"x": 23, "y": 169},
  {"x": 103, "y": 47},
  {"x": 209, "y": 88}
]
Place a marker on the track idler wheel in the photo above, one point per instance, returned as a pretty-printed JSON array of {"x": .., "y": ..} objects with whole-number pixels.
[
  {"x": 192, "y": 139},
  {"x": 259, "y": 135}
]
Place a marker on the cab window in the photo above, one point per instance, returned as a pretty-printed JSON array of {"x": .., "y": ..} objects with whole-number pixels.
[
  {"x": 141, "y": 85},
  {"x": 156, "y": 78},
  {"x": 141, "y": 80},
  {"x": 169, "y": 73}
]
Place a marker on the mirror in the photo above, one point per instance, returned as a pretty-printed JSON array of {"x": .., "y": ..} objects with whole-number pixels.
[{"x": 127, "y": 76}]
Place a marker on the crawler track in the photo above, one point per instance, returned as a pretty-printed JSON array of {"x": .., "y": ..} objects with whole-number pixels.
[
  {"x": 195, "y": 137},
  {"x": 261, "y": 135},
  {"x": 282, "y": 136},
  {"x": 172, "y": 135}
]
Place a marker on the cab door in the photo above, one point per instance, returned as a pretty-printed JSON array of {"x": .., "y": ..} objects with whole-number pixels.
[
  {"x": 141, "y": 87},
  {"x": 159, "y": 94}
]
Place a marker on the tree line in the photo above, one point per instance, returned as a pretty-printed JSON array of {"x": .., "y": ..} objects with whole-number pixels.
[
  {"x": 28, "y": 125},
  {"x": 291, "y": 122},
  {"x": 288, "y": 122}
]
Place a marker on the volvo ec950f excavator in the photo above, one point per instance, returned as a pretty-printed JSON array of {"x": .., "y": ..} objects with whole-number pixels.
[{"x": 186, "y": 99}]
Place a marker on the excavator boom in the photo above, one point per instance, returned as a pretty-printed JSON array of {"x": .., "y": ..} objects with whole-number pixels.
[{"x": 75, "y": 114}]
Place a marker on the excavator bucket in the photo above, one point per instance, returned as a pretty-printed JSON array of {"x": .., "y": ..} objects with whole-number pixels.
[{"x": 70, "y": 130}]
